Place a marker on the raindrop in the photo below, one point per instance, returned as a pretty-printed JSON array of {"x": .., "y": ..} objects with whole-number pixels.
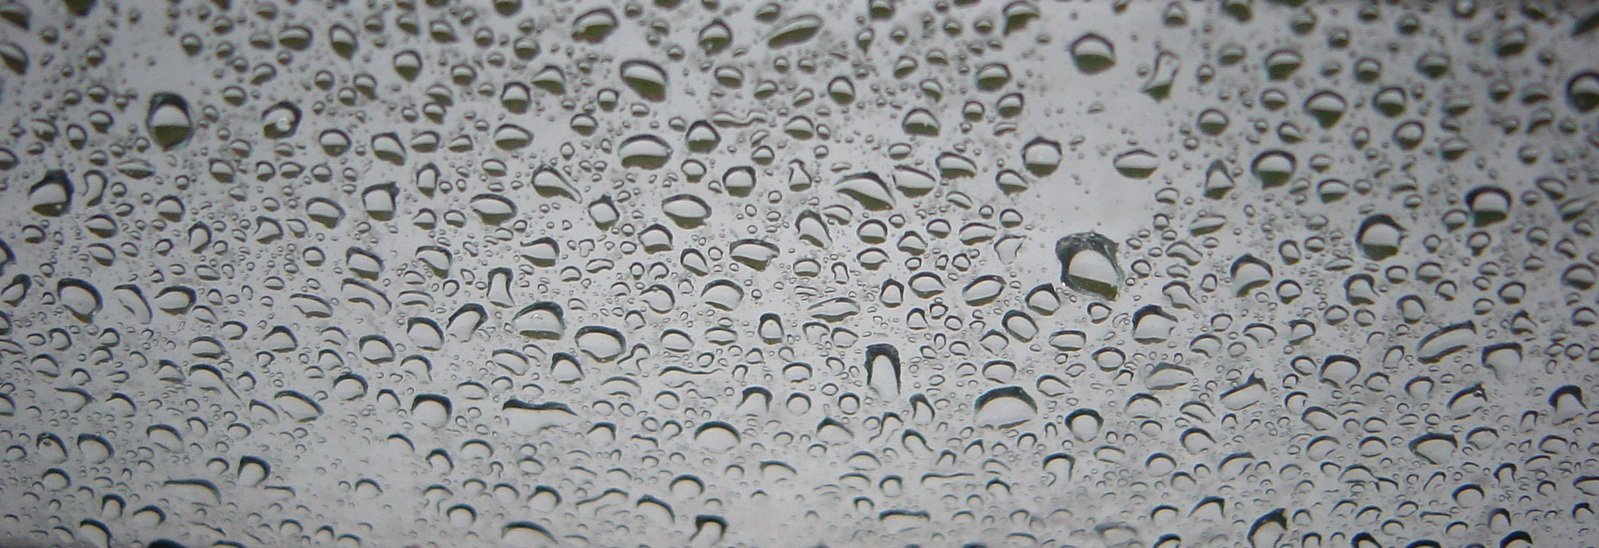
[
  {"x": 1136, "y": 164},
  {"x": 1041, "y": 156},
  {"x": 281, "y": 120},
  {"x": 1379, "y": 237},
  {"x": 644, "y": 151},
  {"x": 51, "y": 196},
  {"x": 601, "y": 343},
  {"x": 795, "y": 30},
  {"x": 168, "y": 120},
  {"x": 868, "y": 189},
  {"x": 1093, "y": 53},
  {"x": 1088, "y": 264},
  {"x": 594, "y": 25},
  {"x": 1005, "y": 407},
  {"x": 645, "y": 78},
  {"x": 1274, "y": 167},
  {"x": 686, "y": 210}
]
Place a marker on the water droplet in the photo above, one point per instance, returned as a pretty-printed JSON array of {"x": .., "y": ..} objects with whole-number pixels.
[
  {"x": 868, "y": 189},
  {"x": 1093, "y": 53},
  {"x": 168, "y": 120},
  {"x": 1041, "y": 156},
  {"x": 1088, "y": 264},
  {"x": 795, "y": 30},
  {"x": 1136, "y": 164},
  {"x": 645, "y": 78},
  {"x": 1005, "y": 407},
  {"x": 1379, "y": 237},
  {"x": 594, "y": 26},
  {"x": 644, "y": 151}
]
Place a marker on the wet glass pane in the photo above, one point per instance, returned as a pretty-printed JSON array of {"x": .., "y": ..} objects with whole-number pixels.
[{"x": 859, "y": 273}]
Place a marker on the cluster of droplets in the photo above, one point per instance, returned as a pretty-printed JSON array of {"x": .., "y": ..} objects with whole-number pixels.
[{"x": 853, "y": 273}]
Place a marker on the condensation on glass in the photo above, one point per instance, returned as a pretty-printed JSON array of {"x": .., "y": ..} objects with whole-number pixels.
[{"x": 872, "y": 272}]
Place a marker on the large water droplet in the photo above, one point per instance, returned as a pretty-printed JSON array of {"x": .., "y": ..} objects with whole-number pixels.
[
  {"x": 168, "y": 120},
  {"x": 1089, "y": 265}
]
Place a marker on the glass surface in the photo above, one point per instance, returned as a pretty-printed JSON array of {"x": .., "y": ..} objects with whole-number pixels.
[{"x": 860, "y": 273}]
